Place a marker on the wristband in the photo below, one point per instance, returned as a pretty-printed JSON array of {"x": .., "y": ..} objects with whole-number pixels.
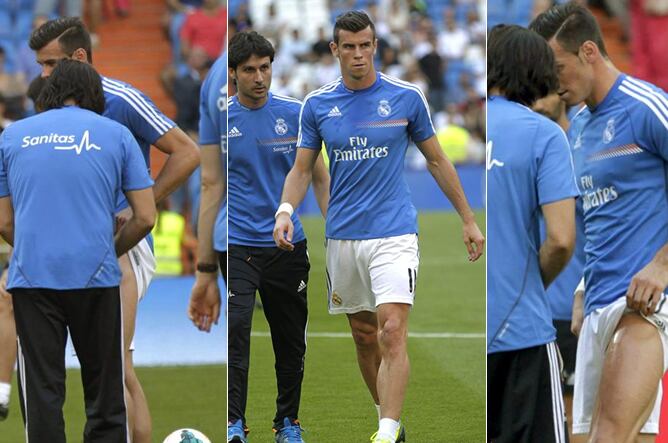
[
  {"x": 285, "y": 207},
  {"x": 581, "y": 286},
  {"x": 207, "y": 268}
]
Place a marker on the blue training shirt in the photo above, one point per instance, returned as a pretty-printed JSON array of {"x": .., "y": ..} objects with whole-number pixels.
[
  {"x": 620, "y": 149},
  {"x": 366, "y": 134},
  {"x": 64, "y": 170},
  {"x": 134, "y": 110},
  {"x": 213, "y": 130},
  {"x": 261, "y": 153},
  {"x": 528, "y": 165}
]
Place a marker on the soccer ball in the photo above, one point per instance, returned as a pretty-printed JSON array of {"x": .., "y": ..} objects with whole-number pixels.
[{"x": 186, "y": 436}]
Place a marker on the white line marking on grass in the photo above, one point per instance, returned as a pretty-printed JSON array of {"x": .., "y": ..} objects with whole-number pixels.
[{"x": 464, "y": 335}]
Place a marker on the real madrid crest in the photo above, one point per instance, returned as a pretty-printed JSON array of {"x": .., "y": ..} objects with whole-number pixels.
[
  {"x": 609, "y": 131},
  {"x": 281, "y": 127},
  {"x": 384, "y": 108}
]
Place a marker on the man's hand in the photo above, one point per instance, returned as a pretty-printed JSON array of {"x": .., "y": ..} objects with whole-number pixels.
[
  {"x": 122, "y": 217},
  {"x": 204, "y": 306},
  {"x": 577, "y": 316},
  {"x": 473, "y": 239},
  {"x": 647, "y": 286},
  {"x": 3, "y": 285},
  {"x": 283, "y": 230}
]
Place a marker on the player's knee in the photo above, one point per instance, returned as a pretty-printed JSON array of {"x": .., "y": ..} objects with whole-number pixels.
[
  {"x": 609, "y": 430},
  {"x": 364, "y": 335},
  {"x": 393, "y": 333}
]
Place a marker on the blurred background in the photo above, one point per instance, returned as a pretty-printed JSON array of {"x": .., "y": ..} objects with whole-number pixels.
[{"x": 163, "y": 48}]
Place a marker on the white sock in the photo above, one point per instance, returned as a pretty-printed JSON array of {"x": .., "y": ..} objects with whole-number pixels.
[
  {"x": 388, "y": 427},
  {"x": 378, "y": 410},
  {"x": 5, "y": 390}
]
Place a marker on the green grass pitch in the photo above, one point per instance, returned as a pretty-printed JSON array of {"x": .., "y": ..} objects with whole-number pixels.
[
  {"x": 183, "y": 396},
  {"x": 445, "y": 401}
]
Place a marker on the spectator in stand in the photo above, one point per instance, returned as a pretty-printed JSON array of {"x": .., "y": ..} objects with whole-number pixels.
[
  {"x": 51, "y": 8},
  {"x": 205, "y": 27},
  {"x": 321, "y": 46},
  {"x": 649, "y": 40},
  {"x": 173, "y": 22},
  {"x": 186, "y": 91},
  {"x": 432, "y": 66},
  {"x": 453, "y": 40},
  {"x": 243, "y": 18}
]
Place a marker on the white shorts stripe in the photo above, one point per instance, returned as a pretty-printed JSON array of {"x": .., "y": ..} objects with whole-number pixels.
[
  {"x": 22, "y": 370},
  {"x": 557, "y": 397}
]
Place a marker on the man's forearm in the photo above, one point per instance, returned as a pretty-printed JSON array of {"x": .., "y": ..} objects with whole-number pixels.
[
  {"x": 295, "y": 187},
  {"x": 130, "y": 234},
  {"x": 447, "y": 179},
  {"x": 176, "y": 170},
  {"x": 553, "y": 259},
  {"x": 210, "y": 201}
]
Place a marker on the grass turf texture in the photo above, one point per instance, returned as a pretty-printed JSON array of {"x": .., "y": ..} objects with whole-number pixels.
[
  {"x": 185, "y": 396},
  {"x": 445, "y": 401}
]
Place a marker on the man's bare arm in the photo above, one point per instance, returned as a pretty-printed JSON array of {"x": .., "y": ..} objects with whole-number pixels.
[
  {"x": 447, "y": 179},
  {"x": 7, "y": 220},
  {"x": 183, "y": 158},
  {"x": 556, "y": 250}
]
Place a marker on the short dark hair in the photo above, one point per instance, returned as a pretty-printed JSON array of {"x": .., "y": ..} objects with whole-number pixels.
[
  {"x": 246, "y": 44},
  {"x": 72, "y": 80},
  {"x": 35, "y": 87},
  {"x": 70, "y": 32},
  {"x": 520, "y": 64},
  {"x": 353, "y": 21},
  {"x": 571, "y": 24}
]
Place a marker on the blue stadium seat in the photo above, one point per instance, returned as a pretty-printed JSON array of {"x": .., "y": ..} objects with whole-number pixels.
[
  {"x": 10, "y": 54},
  {"x": 23, "y": 25},
  {"x": 233, "y": 6}
]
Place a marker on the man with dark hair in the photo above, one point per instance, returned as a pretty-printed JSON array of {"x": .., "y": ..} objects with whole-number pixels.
[
  {"x": 619, "y": 142},
  {"x": 262, "y": 132},
  {"x": 365, "y": 119},
  {"x": 529, "y": 174},
  {"x": 68, "y": 38},
  {"x": 64, "y": 273}
]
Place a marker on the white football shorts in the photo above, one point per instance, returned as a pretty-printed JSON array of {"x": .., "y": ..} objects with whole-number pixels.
[
  {"x": 595, "y": 335},
  {"x": 362, "y": 274},
  {"x": 143, "y": 264}
]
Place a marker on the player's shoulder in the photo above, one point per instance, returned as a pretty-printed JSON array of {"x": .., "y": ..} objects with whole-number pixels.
[
  {"x": 285, "y": 102},
  {"x": 641, "y": 99},
  {"x": 399, "y": 86},
  {"x": 325, "y": 91}
]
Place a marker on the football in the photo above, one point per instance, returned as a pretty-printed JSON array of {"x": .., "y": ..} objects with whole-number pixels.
[{"x": 186, "y": 436}]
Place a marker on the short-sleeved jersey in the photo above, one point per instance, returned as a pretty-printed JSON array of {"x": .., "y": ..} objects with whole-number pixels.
[
  {"x": 262, "y": 151},
  {"x": 620, "y": 149},
  {"x": 528, "y": 166},
  {"x": 63, "y": 170},
  {"x": 134, "y": 110},
  {"x": 213, "y": 130},
  {"x": 561, "y": 290},
  {"x": 366, "y": 133}
]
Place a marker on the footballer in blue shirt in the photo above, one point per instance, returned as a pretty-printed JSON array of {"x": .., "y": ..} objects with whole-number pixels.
[
  {"x": 67, "y": 37},
  {"x": 619, "y": 142},
  {"x": 61, "y": 173},
  {"x": 262, "y": 137},
  {"x": 529, "y": 173},
  {"x": 365, "y": 119},
  {"x": 204, "y": 306}
]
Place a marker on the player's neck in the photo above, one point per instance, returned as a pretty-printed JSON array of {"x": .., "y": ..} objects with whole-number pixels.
[
  {"x": 252, "y": 103},
  {"x": 606, "y": 74},
  {"x": 362, "y": 83}
]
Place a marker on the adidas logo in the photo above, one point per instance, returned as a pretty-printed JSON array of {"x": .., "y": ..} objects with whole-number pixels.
[
  {"x": 302, "y": 286},
  {"x": 234, "y": 132},
  {"x": 334, "y": 112}
]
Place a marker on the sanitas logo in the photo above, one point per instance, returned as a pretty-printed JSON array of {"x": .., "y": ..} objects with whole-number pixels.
[
  {"x": 84, "y": 144},
  {"x": 28, "y": 141},
  {"x": 359, "y": 151}
]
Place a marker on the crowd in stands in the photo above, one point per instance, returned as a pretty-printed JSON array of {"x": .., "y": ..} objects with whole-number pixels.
[{"x": 438, "y": 45}]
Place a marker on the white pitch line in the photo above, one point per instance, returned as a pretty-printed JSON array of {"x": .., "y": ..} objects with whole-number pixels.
[{"x": 464, "y": 335}]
